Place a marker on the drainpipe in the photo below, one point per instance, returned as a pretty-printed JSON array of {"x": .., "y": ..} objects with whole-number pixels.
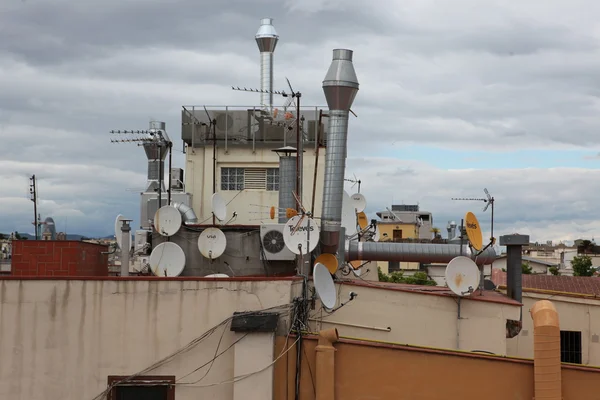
[
  {"x": 546, "y": 351},
  {"x": 325, "y": 360},
  {"x": 514, "y": 276},
  {"x": 340, "y": 87}
]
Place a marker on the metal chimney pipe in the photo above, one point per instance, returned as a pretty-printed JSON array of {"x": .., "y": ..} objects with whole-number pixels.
[
  {"x": 156, "y": 155},
  {"x": 266, "y": 39},
  {"x": 126, "y": 246},
  {"x": 340, "y": 87}
]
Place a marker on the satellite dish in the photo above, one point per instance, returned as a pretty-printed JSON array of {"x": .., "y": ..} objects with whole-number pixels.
[
  {"x": 359, "y": 203},
  {"x": 363, "y": 221},
  {"x": 324, "y": 285},
  {"x": 329, "y": 261},
  {"x": 212, "y": 243},
  {"x": 167, "y": 220},
  {"x": 167, "y": 259},
  {"x": 376, "y": 235},
  {"x": 219, "y": 206},
  {"x": 474, "y": 231},
  {"x": 118, "y": 233},
  {"x": 296, "y": 234},
  {"x": 348, "y": 215},
  {"x": 462, "y": 276},
  {"x": 217, "y": 276}
]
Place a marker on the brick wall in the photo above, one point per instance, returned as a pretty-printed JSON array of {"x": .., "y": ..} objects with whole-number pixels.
[{"x": 58, "y": 258}]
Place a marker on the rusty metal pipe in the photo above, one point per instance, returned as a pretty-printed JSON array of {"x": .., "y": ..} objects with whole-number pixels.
[{"x": 325, "y": 360}]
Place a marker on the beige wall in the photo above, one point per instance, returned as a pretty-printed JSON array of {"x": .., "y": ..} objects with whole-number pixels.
[
  {"x": 61, "y": 339},
  {"x": 376, "y": 371},
  {"x": 576, "y": 314},
  {"x": 418, "y": 319},
  {"x": 199, "y": 181}
]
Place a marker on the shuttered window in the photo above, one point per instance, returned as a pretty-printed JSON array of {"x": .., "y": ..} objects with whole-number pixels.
[{"x": 250, "y": 178}]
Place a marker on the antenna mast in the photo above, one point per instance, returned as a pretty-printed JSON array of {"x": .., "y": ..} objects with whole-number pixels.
[
  {"x": 489, "y": 202},
  {"x": 33, "y": 193}
]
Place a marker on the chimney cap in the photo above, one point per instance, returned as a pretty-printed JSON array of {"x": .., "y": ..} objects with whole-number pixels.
[{"x": 266, "y": 29}]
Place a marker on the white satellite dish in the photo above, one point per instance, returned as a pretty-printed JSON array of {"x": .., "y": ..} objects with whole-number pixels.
[
  {"x": 296, "y": 234},
  {"x": 219, "y": 206},
  {"x": 212, "y": 243},
  {"x": 324, "y": 285},
  {"x": 462, "y": 276},
  {"x": 167, "y": 259},
  {"x": 217, "y": 276},
  {"x": 348, "y": 215},
  {"x": 167, "y": 220},
  {"x": 118, "y": 233},
  {"x": 359, "y": 202}
]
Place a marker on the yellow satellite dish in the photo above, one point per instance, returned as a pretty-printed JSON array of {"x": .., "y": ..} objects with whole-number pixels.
[
  {"x": 363, "y": 222},
  {"x": 474, "y": 231},
  {"x": 290, "y": 212},
  {"x": 329, "y": 261}
]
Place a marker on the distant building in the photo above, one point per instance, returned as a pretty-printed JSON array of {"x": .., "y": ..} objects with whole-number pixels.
[{"x": 403, "y": 221}]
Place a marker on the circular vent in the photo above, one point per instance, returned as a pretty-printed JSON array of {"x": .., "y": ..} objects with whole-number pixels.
[
  {"x": 273, "y": 242},
  {"x": 224, "y": 121}
]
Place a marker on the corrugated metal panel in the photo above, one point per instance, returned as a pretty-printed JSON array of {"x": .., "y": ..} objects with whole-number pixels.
[{"x": 255, "y": 178}]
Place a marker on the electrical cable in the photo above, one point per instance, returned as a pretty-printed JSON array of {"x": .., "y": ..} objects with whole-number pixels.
[{"x": 182, "y": 350}]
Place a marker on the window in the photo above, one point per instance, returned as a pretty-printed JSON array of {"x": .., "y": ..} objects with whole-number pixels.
[
  {"x": 142, "y": 387},
  {"x": 232, "y": 178},
  {"x": 250, "y": 178},
  {"x": 570, "y": 347},
  {"x": 397, "y": 234},
  {"x": 272, "y": 178}
]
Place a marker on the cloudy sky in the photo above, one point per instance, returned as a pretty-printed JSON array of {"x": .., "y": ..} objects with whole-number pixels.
[{"x": 455, "y": 96}]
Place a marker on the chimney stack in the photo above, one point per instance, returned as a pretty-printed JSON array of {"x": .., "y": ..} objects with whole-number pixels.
[
  {"x": 266, "y": 39},
  {"x": 340, "y": 87}
]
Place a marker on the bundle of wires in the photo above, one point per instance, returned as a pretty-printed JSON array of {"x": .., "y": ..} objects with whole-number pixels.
[{"x": 284, "y": 309}]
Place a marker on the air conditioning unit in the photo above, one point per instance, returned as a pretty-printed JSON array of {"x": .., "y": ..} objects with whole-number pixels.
[{"x": 273, "y": 246}]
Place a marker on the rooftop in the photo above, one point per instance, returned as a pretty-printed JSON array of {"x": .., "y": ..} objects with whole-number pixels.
[
  {"x": 567, "y": 284},
  {"x": 488, "y": 295},
  {"x": 534, "y": 260}
]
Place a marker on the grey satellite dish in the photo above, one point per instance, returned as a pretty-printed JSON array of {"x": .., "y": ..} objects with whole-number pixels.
[{"x": 324, "y": 286}]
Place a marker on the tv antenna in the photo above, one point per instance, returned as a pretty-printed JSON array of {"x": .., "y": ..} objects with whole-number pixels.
[
  {"x": 290, "y": 97},
  {"x": 354, "y": 181},
  {"x": 159, "y": 137},
  {"x": 489, "y": 202}
]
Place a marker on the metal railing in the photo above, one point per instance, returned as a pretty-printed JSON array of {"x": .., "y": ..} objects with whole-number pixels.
[{"x": 255, "y": 125}]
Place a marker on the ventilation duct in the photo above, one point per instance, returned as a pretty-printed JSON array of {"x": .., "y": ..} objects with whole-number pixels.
[
  {"x": 413, "y": 252},
  {"x": 156, "y": 152},
  {"x": 340, "y": 87},
  {"x": 187, "y": 213},
  {"x": 266, "y": 39}
]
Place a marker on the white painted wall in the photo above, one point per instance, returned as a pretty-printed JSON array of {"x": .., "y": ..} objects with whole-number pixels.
[{"x": 199, "y": 181}]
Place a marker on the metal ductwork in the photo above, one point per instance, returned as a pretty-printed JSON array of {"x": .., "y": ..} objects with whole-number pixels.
[
  {"x": 451, "y": 228},
  {"x": 413, "y": 252},
  {"x": 266, "y": 39},
  {"x": 340, "y": 87},
  {"x": 156, "y": 152},
  {"x": 188, "y": 215}
]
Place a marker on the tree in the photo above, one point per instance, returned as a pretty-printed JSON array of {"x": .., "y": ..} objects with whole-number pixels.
[
  {"x": 554, "y": 271},
  {"x": 586, "y": 247},
  {"x": 582, "y": 266},
  {"x": 436, "y": 233},
  {"x": 526, "y": 268},
  {"x": 419, "y": 278}
]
